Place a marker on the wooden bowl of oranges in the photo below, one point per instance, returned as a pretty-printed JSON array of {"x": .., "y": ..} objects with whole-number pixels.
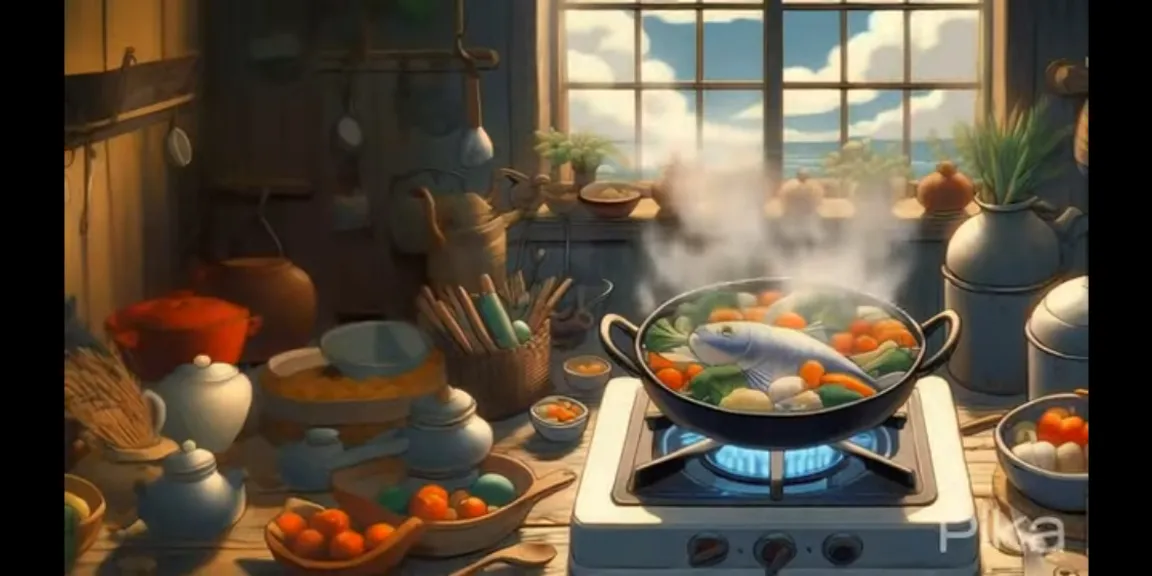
[
  {"x": 306, "y": 538},
  {"x": 458, "y": 521}
]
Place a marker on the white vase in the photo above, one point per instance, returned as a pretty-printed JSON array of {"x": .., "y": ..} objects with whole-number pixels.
[{"x": 207, "y": 403}]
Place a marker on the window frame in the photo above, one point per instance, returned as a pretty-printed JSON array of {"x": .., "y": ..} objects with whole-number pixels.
[{"x": 772, "y": 86}]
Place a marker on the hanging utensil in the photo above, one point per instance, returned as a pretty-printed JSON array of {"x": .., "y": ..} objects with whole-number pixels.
[
  {"x": 178, "y": 145},
  {"x": 476, "y": 149}
]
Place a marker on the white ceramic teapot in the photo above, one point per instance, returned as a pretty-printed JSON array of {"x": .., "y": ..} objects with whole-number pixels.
[{"x": 207, "y": 402}]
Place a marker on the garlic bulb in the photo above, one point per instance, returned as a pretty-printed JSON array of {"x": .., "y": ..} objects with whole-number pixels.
[
  {"x": 1039, "y": 454},
  {"x": 1070, "y": 459},
  {"x": 785, "y": 388}
]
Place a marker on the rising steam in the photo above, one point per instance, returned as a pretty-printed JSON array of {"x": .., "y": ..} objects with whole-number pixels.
[{"x": 724, "y": 235}]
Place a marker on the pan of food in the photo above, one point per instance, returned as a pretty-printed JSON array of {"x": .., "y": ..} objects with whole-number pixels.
[{"x": 767, "y": 364}]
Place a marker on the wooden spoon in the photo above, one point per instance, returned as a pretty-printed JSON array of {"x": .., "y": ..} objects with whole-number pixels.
[{"x": 524, "y": 554}]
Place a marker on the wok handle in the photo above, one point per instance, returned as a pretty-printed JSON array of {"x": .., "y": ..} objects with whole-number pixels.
[
  {"x": 618, "y": 356},
  {"x": 942, "y": 355}
]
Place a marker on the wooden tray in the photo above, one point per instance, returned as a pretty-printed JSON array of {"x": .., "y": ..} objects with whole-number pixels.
[
  {"x": 1008, "y": 498},
  {"x": 376, "y": 562},
  {"x": 355, "y": 489}
]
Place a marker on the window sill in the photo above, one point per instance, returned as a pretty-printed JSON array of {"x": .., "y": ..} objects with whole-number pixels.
[{"x": 549, "y": 227}]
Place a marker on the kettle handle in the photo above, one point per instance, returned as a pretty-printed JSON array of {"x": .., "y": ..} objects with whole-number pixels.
[{"x": 159, "y": 410}]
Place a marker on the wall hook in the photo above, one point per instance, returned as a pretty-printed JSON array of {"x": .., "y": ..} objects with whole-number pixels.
[{"x": 126, "y": 62}]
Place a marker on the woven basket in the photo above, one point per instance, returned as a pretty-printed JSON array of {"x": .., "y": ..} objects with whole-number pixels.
[{"x": 506, "y": 382}]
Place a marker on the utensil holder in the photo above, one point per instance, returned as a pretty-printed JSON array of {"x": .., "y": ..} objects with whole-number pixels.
[{"x": 506, "y": 382}]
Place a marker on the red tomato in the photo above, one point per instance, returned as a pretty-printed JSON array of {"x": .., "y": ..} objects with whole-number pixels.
[
  {"x": 1074, "y": 429},
  {"x": 1048, "y": 427}
]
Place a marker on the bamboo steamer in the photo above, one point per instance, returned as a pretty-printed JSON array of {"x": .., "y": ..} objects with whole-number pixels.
[{"x": 299, "y": 390}]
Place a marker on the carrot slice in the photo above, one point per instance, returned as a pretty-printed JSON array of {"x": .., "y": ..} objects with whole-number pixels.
[
  {"x": 657, "y": 362},
  {"x": 848, "y": 382},
  {"x": 811, "y": 372}
]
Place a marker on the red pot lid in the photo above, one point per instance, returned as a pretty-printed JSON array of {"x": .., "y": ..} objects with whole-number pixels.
[{"x": 179, "y": 312}]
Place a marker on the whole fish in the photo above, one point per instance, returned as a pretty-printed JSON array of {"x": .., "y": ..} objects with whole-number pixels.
[{"x": 766, "y": 353}]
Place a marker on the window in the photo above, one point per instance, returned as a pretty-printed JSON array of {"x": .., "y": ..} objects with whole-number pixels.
[{"x": 783, "y": 81}]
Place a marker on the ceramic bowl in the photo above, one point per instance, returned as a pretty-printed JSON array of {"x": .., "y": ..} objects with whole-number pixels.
[
  {"x": 1054, "y": 490},
  {"x": 619, "y": 206},
  {"x": 89, "y": 528},
  {"x": 571, "y": 431},
  {"x": 586, "y": 380},
  {"x": 374, "y": 349}
]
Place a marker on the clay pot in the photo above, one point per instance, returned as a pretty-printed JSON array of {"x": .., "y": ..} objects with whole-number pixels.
[
  {"x": 945, "y": 190},
  {"x": 802, "y": 195},
  {"x": 156, "y": 336},
  {"x": 274, "y": 289}
]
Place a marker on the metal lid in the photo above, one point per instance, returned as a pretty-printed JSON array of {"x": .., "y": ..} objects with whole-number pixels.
[
  {"x": 1060, "y": 322},
  {"x": 189, "y": 462},
  {"x": 448, "y": 407},
  {"x": 321, "y": 436},
  {"x": 203, "y": 369}
]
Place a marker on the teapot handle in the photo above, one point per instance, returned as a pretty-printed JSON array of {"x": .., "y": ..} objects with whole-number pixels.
[
  {"x": 1071, "y": 226},
  {"x": 159, "y": 410}
]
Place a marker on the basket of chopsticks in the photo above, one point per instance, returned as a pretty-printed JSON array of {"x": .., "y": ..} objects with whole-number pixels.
[{"x": 496, "y": 343}]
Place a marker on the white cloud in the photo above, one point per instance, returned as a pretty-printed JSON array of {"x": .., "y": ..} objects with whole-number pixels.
[{"x": 600, "y": 50}]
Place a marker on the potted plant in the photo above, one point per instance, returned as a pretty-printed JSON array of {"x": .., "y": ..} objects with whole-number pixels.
[
  {"x": 1000, "y": 262},
  {"x": 862, "y": 170},
  {"x": 584, "y": 151}
]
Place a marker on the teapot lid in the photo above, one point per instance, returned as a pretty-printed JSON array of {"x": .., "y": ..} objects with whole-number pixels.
[
  {"x": 1060, "y": 322},
  {"x": 447, "y": 407},
  {"x": 189, "y": 461},
  {"x": 203, "y": 369}
]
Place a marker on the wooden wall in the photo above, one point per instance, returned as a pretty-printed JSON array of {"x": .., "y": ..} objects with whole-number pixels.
[{"x": 138, "y": 211}]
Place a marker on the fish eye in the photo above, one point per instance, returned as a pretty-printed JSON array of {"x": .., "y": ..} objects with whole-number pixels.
[{"x": 726, "y": 330}]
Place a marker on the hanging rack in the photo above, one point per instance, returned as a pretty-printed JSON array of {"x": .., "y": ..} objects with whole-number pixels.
[{"x": 415, "y": 61}]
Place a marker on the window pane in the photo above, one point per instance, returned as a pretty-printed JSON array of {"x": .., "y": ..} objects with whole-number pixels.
[
  {"x": 600, "y": 45},
  {"x": 622, "y": 167},
  {"x": 733, "y": 129},
  {"x": 811, "y": 129},
  {"x": 935, "y": 114},
  {"x": 877, "y": 115},
  {"x": 811, "y": 42},
  {"x": 733, "y": 45},
  {"x": 669, "y": 126},
  {"x": 945, "y": 45},
  {"x": 607, "y": 113},
  {"x": 671, "y": 54},
  {"x": 875, "y": 46}
]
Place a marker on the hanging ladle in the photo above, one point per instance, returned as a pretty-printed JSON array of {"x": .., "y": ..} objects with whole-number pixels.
[{"x": 476, "y": 149}]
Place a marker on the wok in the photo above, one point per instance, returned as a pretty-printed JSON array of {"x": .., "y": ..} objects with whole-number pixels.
[{"x": 780, "y": 430}]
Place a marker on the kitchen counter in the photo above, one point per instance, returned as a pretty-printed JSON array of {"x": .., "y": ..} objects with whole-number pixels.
[{"x": 243, "y": 551}]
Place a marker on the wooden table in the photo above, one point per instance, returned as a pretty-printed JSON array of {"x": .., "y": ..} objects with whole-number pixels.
[{"x": 243, "y": 552}]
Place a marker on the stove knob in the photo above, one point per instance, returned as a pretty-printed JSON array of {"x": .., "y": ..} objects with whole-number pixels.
[
  {"x": 774, "y": 552},
  {"x": 707, "y": 550},
  {"x": 842, "y": 549}
]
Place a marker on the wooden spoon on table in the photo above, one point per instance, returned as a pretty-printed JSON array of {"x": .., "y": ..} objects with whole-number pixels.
[{"x": 524, "y": 554}]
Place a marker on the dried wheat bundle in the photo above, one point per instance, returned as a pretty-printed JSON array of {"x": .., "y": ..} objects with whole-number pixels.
[{"x": 103, "y": 395}]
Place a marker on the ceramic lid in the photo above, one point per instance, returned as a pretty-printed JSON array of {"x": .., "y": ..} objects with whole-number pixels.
[
  {"x": 203, "y": 369},
  {"x": 321, "y": 436},
  {"x": 443, "y": 409},
  {"x": 1060, "y": 322},
  {"x": 189, "y": 461}
]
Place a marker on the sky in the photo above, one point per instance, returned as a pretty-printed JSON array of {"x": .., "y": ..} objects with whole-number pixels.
[{"x": 600, "y": 49}]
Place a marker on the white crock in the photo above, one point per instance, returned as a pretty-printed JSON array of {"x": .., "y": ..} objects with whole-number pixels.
[
  {"x": 1057, "y": 336},
  {"x": 207, "y": 403}
]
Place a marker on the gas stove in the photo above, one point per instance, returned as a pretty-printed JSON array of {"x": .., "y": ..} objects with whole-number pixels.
[{"x": 655, "y": 498}]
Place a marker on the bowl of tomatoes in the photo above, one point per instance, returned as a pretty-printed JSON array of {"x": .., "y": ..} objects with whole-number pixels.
[
  {"x": 307, "y": 538},
  {"x": 1043, "y": 448}
]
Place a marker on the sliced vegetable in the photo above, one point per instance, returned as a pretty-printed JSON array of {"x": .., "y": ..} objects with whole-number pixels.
[
  {"x": 725, "y": 315},
  {"x": 811, "y": 372},
  {"x": 865, "y": 358},
  {"x": 836, "y": 395},
  {"x": 865, "y": 343},
  {"x": 715, "y": 382},
  {"x": 843, "y": 343},
  {"x": 683, "y": 325},
  {"x": 747, "y": 400},
  {"x": 790, "y": 320},
  {"x": 672, "y": 378},
  {"x": 657, "y": 362},
  {"x": 891, "y": 360},
  {"x": 662, "y": 337},
  {"x": 848, "y": 382},
  {"x": 1023, "y": 432}
]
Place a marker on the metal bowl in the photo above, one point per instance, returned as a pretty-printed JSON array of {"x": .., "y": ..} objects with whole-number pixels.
[{"x": 1054, "y": 490}]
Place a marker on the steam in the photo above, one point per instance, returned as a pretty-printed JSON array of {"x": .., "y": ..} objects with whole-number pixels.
[{"x": 723, "y": 235}]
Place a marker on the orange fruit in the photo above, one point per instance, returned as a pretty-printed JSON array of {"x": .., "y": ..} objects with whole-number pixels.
[
  {"x": 471, "y": 508},
  {"x": 433, "y": 490},
  {"x": 376, "y": 534},
  {"x": 330, "y": 522},
  {"x": 430, "y": 507},
  {"x": 291, "y": 524},
  {"x": 692, "y": 370},
  {"x": 346, "y": 545},
  {"x": 308, "y": 544}
]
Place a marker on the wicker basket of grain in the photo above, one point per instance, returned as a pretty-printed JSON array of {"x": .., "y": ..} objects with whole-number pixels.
[{"x": 300, "y": 391}]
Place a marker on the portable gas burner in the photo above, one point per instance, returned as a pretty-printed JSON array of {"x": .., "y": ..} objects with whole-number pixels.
[{"x": 658, "y": 498}]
